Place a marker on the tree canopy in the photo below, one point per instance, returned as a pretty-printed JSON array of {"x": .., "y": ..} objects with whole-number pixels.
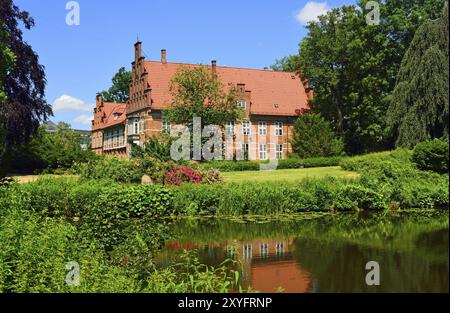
[
  {"x": 197, "y": 93},
  {"x": 352, "y": 66},
  {"x": 420, "y": 100},
  {"x": 119, "y": 91},
  {"x": 50, "y": 150},
  {"x": 313, "y": 136},
  {"x": 24, "y": 106}
]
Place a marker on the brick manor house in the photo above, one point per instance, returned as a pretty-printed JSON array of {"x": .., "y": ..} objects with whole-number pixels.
[{"x": 272, "y": 101}]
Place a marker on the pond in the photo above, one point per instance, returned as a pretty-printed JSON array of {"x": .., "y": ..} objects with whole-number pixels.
[{"x": 323, "y": 253}]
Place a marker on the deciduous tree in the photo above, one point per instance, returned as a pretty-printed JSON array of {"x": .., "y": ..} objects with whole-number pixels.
[
  {"x": 119, "y": 91},
  {"x": 24, "y": 106}
]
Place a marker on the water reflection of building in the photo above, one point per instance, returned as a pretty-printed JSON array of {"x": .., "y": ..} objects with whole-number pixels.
[{"x": 267, "y": 264}]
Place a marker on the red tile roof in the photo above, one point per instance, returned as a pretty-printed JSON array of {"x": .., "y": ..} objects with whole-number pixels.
[
  {"x": 108, "y": 111},
  {"x": 272, "y": 92}
]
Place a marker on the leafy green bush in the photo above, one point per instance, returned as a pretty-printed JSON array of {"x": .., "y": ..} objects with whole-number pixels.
[
  {"x": 400, "y": 157},
  {"x": 313, "y": 136},
  {"x": 396, "y": 178},
  {"x": 34, "y": 252},
  {"x": 58, "y": 197},
  {"x": 119, "y": 170},
  {"x": 117, "y": 207},
  {"x": 156, "y": 147},
  {"x": 326, "y": 194},
  {"x": 432, "y": 155},
  {"x": 50, "y": 151}
]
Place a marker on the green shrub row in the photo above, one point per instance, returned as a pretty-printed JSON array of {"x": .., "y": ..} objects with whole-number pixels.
[
  {"x": 289, "y": 163},
  {"x": 263, "y": 199}
]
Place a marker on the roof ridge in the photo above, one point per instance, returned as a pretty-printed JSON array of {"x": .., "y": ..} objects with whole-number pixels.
[{"x": 224, "y": 66}]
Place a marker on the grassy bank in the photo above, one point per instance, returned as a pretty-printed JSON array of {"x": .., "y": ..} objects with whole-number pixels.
[{"x": 287, "y": 175}]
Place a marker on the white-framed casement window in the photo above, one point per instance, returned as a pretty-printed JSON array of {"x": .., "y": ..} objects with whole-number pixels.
[
  {"x": 229, "y": 128},
  {"x": 245, "y": 148},
  {"x": 141, "y": 126},
  {"x": 278, "y": 129},
  {"x": 264, "y": 250},
  {"x": 262, "y": 128},
  {"x": 279, "y": 248},
  {"x": 279, "y": 151},
  {"x": 165, "y": 122},
  {"x": 263, "y": 152},
  {"x": 247, "y": 251},
  {"x": 245, "y": 127},
  {"x": 242, "y": 104}
]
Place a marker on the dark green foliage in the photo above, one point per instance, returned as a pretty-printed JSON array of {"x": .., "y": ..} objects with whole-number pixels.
[
  {"x": 118, "y": 170},
  {"x": 352, "y": 66},
  {"x": 23, "y": 105},
  {"x": 419, "y": 103},
  {"x": 156, "y": 147},
  {"x": 289, "y": 63},
  {"x": 314, "y": 137},
  {"x": 119, "y": 91},
  {"x": 54, "y": 151},
  {"x": 432, "y": 155}
]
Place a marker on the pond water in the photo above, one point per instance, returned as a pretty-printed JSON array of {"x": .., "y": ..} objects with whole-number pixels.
[{"x": 323, "y": 253}]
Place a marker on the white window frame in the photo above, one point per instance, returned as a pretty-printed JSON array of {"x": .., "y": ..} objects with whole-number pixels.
[
  {"x": 278, "y": 128},
  {"x": 262, "y": 128},
  {"x": 264, "y": 249},
  {"x": 247, "y": 251},
  {"x": 279, "y": 151},
  {"x": 229, "y": 128},
  {"x": 242, "y": 104},
  {"x": 246, "y": 129},
  {"x": 165, "y": 122},
  {"x": 262, "y": 151}
]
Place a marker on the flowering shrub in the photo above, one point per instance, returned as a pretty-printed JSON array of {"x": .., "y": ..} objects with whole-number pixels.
[
  {"x": 211, "y": 176},
  {"x": 181, "y": 174}
]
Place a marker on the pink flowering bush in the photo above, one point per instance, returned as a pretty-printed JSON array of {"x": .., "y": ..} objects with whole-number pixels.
[{"x": 182, "y": 174}]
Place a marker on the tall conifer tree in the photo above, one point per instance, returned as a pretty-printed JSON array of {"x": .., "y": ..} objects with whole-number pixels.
[{"x": 419, "y": 103}]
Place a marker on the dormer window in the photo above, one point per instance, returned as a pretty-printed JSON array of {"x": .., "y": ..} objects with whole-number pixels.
[{"x": 116, "y": 116}]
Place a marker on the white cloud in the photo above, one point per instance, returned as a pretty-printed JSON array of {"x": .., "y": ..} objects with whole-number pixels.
[
  {"x": 84, "y": 119},
  {"x": 67, "y": 103},
  {"x": 311, "y": 11}
]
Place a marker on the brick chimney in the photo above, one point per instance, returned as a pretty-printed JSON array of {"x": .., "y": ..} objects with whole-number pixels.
[
  {"x": 214, "y": 68},
  {"x": 163, "y": 56}
]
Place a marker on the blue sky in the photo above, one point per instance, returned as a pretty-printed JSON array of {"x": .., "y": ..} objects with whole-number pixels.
[{"x": 81, "y": 60}]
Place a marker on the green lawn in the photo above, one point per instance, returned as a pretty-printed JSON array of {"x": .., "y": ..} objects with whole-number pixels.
[{"x": 289, "y": 175}]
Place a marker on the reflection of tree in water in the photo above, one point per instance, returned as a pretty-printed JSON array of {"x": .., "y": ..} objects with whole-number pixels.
[
  {"x": 412, "y": 249},
  {"x": 340, "y": 266}
]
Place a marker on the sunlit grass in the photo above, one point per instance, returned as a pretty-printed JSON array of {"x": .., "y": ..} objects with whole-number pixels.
[{"x": 287, "y": 175}]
